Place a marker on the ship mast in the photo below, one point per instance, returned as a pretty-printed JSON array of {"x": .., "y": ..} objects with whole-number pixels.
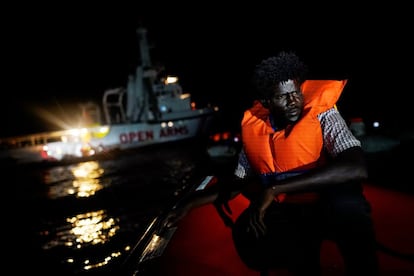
[
  {"x": 139, "y": 97},
  {"x": 139, "y": 87},
  {"x": 144, "y": 48}
]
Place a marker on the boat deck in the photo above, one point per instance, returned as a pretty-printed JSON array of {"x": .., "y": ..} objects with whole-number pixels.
[{"x": 202, "y": 245}]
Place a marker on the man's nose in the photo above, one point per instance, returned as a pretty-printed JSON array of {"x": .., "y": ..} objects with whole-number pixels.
[{"x": 290, "y": 97}]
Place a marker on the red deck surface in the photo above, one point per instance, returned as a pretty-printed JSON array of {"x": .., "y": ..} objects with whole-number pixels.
[{"x": 202, "y": 245}]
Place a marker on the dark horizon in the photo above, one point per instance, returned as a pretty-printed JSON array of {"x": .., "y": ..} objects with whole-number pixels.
[{"x": 61, "y": 59}]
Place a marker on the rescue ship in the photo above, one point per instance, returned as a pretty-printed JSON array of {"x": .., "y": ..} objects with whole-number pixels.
[{"x": 151, "y": 109}]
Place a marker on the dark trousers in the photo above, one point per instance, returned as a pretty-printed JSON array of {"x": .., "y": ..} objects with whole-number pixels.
[{"x": 295, "y": 233}]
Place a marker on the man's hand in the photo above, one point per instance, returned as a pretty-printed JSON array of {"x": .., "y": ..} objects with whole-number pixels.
[
  {"x": 175, "y": 215},
  {"x": 257, "y": 210},
  {"x": 224, "y": 211}
]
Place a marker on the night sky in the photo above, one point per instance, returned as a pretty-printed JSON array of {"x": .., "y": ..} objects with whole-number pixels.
[{"x": 58, "y": 56}]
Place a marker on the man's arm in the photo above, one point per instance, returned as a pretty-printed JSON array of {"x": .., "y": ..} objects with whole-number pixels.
[
  {"x": 347, "y": 166},
  {"x": 219, "y": 193}
]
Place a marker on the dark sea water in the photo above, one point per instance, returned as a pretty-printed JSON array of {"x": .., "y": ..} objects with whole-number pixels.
[{"x": 84, "y": 218}]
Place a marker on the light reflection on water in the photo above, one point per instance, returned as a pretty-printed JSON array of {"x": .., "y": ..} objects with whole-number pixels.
[
  {"x": 87, "y": 229},
  {"x": 83, "y": 229},
  {"x": 80, "y": 180}
]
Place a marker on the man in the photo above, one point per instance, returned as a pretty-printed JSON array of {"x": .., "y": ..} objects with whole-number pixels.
[{"x": 302, "y": 170}]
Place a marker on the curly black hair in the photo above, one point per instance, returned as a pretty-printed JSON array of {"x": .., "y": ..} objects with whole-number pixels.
[{"x": 269, "y": 72}]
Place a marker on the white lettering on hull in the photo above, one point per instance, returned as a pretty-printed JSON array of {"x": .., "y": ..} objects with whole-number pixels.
[{"x": 148, "y": 135}]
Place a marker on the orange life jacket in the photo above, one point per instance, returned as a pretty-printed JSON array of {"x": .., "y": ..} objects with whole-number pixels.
[{"x": 282, "y": 153}]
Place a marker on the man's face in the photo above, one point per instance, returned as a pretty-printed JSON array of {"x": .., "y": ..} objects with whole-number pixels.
[{"x": 287, "y": 102}]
